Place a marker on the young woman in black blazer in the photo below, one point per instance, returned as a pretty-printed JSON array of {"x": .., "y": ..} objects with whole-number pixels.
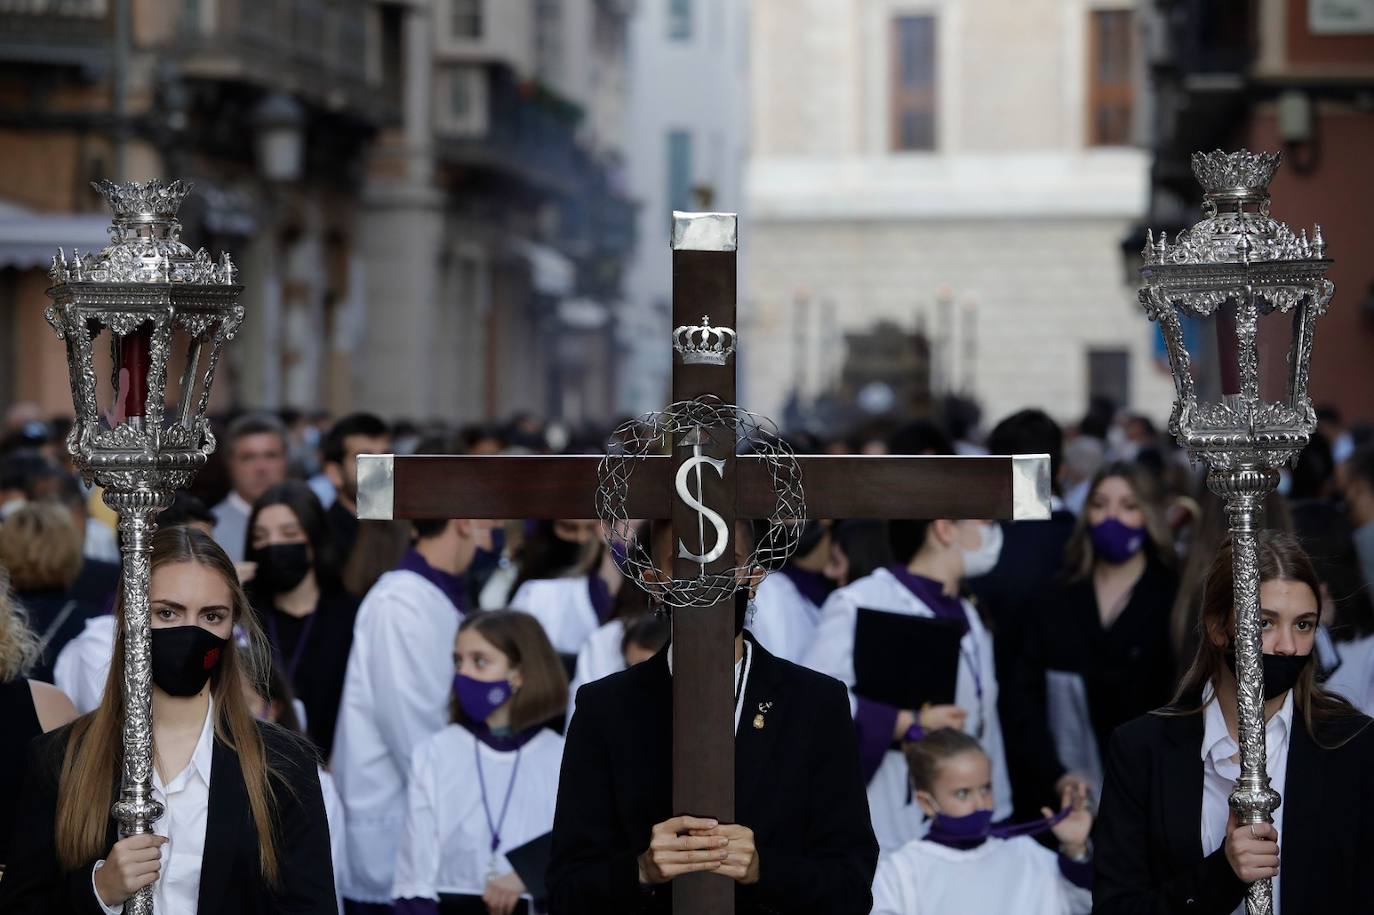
[
  {"x": 245, "y": 828},
  {"x": 1164, "y": 839}
]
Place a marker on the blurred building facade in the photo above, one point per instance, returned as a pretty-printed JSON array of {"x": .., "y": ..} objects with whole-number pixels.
[
  {"x": 688, "y": 109},
  {"x": 267, "y": 107},
  {"x": 496, "y": 221},
  {"x": 425, "y": 197},
  {"x": 1290, "y": 75},
  {"x": 965, "y": 169}
]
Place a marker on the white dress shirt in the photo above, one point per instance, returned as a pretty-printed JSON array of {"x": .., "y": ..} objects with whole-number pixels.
[
  {"x": 1221, "y": 769},
  {"x": 187, "y": 799}
]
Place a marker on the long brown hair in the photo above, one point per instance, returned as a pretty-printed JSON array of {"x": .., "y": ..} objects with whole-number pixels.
[
  {"x": 543, "y": 692},
  {"x": 1079, "y": 556},
  {"x": 91, "y": 766},
  {"x": 1280, "y": 559}
]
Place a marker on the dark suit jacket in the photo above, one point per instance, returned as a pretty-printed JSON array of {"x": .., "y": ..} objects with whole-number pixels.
[
  {"x": 1032, "y": 555},
  {"x": 230, "y": 881},
  {"x": 1127, "y": 669},
  {"x": 797, "y": 786},
  {"x": 1148, "y": 845}
]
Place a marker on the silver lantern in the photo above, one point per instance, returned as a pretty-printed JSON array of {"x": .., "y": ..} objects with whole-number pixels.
[
  {"x": 141, "y": 442},
  {"x": 1235, "y": 270}
]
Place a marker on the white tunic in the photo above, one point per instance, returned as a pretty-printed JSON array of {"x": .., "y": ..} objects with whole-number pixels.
[
  {"x": 600, "y": 657},
  {"x": 83, "y": 664},
  {"x": 395, "y": 695},
  {"x": 1001, "y": 875},
  {"x": 786, "y": 620},
  {"x": 563, "y": 607},
  {"x": 896, "y": 818},
  {"x": 446, "y": 844}
]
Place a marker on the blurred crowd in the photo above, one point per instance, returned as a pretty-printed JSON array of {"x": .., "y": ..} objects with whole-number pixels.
[{"x": 1092, "y": 615}]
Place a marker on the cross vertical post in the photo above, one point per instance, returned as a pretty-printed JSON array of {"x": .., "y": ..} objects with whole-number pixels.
[{"x": 704, "y": 249}]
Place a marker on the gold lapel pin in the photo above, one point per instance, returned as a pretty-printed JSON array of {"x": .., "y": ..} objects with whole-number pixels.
[{"x": 758, "y": 719}]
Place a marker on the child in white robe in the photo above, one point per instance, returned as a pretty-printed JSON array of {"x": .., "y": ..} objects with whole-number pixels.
[
  {"x": 487, "y": 783},
  {"x": 966, "y": 865}
]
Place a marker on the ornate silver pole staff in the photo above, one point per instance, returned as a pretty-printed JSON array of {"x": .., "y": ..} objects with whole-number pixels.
[
  {"x": 1235, "y": 266},
  {"x": 150, "y": 292}
]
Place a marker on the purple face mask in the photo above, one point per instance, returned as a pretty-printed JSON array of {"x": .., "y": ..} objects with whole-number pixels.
[
  {"x": 969, "y": 829},
  {"x": 479, "y": 698},
  {"x": 1116, "y": 542},
  {"x": 973, "y": 829}
]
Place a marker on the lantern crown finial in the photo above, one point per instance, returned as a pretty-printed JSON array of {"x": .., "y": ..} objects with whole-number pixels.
[
  {"x": 143, "y": 201},
  {"x": 1235, "y": 174}
]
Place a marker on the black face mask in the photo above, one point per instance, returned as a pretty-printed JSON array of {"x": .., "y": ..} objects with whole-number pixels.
[
  {"x": 184, "y": 657},
  {"x": 281, "y": 566},
  {"x": 1281, "y": 671}
]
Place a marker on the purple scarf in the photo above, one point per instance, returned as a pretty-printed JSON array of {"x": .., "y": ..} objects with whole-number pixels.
[
  {"x": 502, "y": 743},
  {"x": 813, "y": 586},
  {"x": 932, "y": 593},
  {"x": 600, "y": 593},
  {"x": 453, "y": 586}
]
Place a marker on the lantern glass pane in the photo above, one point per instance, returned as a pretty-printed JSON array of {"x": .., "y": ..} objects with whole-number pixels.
[
  {"x": 1273, "y": 342},
  {"x": 103, "y": 358}
]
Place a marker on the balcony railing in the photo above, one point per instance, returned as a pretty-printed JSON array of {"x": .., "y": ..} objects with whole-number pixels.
[{"x": 316, "y": 47}]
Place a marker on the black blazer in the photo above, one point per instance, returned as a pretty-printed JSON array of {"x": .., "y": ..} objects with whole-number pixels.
[
  {"x": 230, "y": 882},
  {"x": 1127, "y": 670},
  {"x": 1148, "y": 845},
  {"x": 797, "y": 786}
]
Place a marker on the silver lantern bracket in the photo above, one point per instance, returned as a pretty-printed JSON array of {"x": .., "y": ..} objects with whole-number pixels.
[
  {"x": 1233, "y": 267},
  {"x": 143, "y": 287}
]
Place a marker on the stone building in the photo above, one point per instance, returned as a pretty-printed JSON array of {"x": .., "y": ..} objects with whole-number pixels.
[
  {"x": 496, "y": 224},
  {"x": 267, "y": 108},
  {"x": 967, "y": 167},
  {"x": 688, "y": 65},
  {"x": 425, "y": 196},
  {"x": 1295, "y": 76}
]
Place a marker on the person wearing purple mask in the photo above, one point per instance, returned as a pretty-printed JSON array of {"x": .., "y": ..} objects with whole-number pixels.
[
  {"x": 966, "y": 864},
  {"x": 487, "y": 783},
  {"x": 1096, "y": 650}
]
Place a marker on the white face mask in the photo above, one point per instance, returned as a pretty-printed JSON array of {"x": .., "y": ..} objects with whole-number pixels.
[{"x": 981, "y": 561}]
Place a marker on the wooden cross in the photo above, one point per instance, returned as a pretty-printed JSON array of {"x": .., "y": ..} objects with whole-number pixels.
[{"x": 877, "y": 487}]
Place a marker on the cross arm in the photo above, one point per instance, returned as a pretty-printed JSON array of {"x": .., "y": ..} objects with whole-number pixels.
[{"x": 837, "y": 486}]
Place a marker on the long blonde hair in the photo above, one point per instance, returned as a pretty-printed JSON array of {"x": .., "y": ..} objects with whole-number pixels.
[
  {"x": 91, "y": 766},
  {"x": 18, "y": 643}
]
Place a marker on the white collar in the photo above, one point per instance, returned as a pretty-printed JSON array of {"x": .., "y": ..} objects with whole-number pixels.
[
  {"x": 1217, "y": 742},
  {"x": 200, "y": 759},
  {"x": 238, "y": 503}
]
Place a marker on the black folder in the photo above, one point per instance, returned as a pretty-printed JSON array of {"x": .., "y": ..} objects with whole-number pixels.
[
  {"x": 530, "y": 861},
  {"x": 906, "y": 661}
]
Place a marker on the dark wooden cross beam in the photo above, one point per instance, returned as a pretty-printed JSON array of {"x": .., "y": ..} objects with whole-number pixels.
[{"x": 495, "y": 486}]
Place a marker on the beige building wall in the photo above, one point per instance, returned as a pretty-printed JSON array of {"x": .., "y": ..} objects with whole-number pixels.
[{"x": 1012, "y": 216}]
